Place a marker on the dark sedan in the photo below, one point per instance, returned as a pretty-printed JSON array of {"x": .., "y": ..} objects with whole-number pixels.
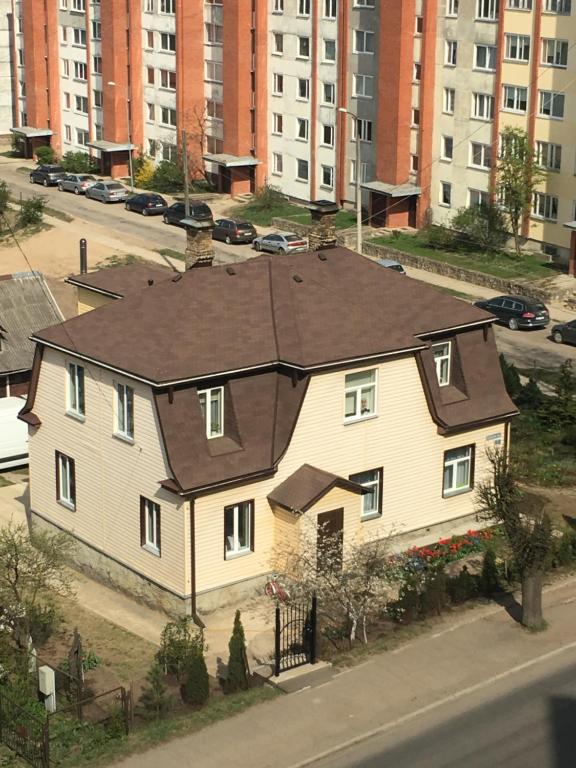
[
  {"x": 233, "y": 231},
  {"x": 177, "y": 211},
  {"x": 517, "y": 311},
  {"x": 48, "y": 175},
  {"x": 564, "y": 333},
  {"x": 147, "y": 203}
]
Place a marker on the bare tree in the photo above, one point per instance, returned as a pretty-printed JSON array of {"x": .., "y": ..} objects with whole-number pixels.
[{"x": 198, "y": 122}]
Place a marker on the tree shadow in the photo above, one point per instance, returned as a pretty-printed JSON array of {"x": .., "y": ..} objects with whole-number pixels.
[{"x": 512, "y": 607}]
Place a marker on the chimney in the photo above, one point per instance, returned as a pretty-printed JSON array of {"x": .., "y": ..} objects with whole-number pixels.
[
  {"x": 199, "y": 249},
  {"x": 323, "y": 232}
]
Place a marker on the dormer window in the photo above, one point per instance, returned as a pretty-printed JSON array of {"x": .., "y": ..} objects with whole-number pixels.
[
  {"x": 442, "y": 361},
  {"x": 212, "y": 406}
]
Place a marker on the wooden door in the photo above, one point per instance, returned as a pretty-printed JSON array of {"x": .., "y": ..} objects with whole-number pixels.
[{"x": 330, "y": 539}]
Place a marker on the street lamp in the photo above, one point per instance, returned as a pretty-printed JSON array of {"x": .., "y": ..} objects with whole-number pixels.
[
  {"x": 128, "y": 126},
  {"x": 358, "y": 188}
]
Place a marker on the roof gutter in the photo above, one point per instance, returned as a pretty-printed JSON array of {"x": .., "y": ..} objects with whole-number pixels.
[
  {"x": 488, "y": 321},
  {"x": 111, "y": 294}
]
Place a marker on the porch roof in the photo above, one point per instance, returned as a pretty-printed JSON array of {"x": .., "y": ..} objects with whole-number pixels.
[
  {"x": 392, "y": 190},
  {"x": 303, "y": 488},
  {"x": 30, "y": 132},
  {"x": 111, "y": 146},
  {"x": 231, "y": 161}
]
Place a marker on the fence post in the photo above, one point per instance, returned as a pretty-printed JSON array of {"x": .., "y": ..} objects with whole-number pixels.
[
  {"x": 1, "y": 716},
  {"x": 277, "y": 643},
  {"x": 313, "y": 631},
  {"x": 46, "y": 744},
  {"x": 124, "y": 700}
]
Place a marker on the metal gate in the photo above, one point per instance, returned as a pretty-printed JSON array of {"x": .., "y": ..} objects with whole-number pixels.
[
  {"x": 23, "y": 733},
  {"x": 295, "y": 635}
]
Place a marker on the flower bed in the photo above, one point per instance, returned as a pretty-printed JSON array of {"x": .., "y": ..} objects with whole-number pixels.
[{"x": 449, "y": 550}]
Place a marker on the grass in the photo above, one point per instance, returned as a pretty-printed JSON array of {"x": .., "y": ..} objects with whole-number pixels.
[
  {"x": 260, "y": 216},
  {"x": 457, "y": 294},
  {"x": 541, "y": 453},
  {"x": 4, "y": 482},
  {"x": 58, "y": 214},
  {"x": 119, "y": 260},
  {"x": 170, "y": 253},
  {"x": 498, "y": 264}
]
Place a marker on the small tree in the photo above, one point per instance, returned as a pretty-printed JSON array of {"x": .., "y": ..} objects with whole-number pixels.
[
  {"x": 4, "y": 197},
  {"x": 154, "y": 697},
  {"x": 527, "y": 529},
  {"x": 517, "y": 178},
  {"x": 511, "y": 377},
  {"x": 180, "y": 639},
  {"x": 45, "y": 155},
  {"x": 31, "y": 211},
  {"x": 196, "y": 686},
  {"x": 561, "y": 409},
  {"x": 144, "y": 173},
  {"x": 482, "y": 225},
  {"x": 489, "y": 580},
  {"x": 237, "y": 678},
  {"x": 168, "y": 177},
  {"x": 78, "y": 162}
]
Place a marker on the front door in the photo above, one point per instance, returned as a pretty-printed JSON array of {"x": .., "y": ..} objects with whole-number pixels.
[{"x": 330, "y": 539}]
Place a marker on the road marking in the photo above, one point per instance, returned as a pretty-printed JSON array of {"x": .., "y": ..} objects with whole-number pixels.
[{"x": 381, "y": 729}]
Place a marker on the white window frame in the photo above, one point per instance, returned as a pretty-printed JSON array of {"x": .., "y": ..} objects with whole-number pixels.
[
  {"x": 151, "y": 525},
  {"x": 489, "y": 54},
  {"x": 517, "y": 48},
  {"x": 376, "y": 484},
  {"x": 452, "y": 8},
  {"x": 442, "y": 361},
  {"x": 486, "y": 101},
  {"x": 232, "y": 543},
  {"x": 516, "y": 92},
  {"x": 362, "y": 86},
  {"x": 208, "y": 394},
  {"x": 451, "y": 53},
  {"x": 449, "y": 101},
  {"x": 327, "y": 172},
  {"x": 363, "y": 41},
  {"x": 552, "y": 50},
  {"x": 66, "y": 467},
  {"x": 445, "y": 186},
  {"x": 545, "y": 206},
  {"x": 444, "y": 155},
  {"x": 548, "y": 155},
  {"x": 359, "y": 391},
  {"x": 124, "y": 411},
  {"x": 554, "y": 98},
  {"x": 485, "y": 151},
  {"x": 487, "y": 10},
  {"x": 453, "y": 464}
]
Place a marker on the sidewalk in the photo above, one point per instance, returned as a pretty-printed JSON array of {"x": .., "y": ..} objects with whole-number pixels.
[{"x": 469, "y": 649}]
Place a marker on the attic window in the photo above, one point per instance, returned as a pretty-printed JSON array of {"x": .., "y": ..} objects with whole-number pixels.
[{"x": 212, "y": 407}]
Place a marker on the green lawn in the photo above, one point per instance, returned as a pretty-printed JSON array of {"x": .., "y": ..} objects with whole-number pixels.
[
  {"x": 260, "y": 216},
  {"x": 497, "y": 264},
  {"x": 3, "y": 482}
]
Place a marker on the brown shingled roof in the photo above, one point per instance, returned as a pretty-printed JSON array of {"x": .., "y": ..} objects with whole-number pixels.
[
  {"x": 210, "y": 321},
  {"x": 118, "y": 282},
  {"x": 306, "y": 486}
]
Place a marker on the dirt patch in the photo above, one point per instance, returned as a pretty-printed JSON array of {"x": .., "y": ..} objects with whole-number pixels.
[{"x": 559, "y": 503}]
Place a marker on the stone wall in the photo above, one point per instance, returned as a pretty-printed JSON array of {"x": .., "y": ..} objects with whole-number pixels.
[{"x": 344, "y": 237}]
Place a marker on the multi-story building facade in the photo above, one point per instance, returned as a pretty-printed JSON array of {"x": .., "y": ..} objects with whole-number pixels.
[
  {"x": 275, "y": 90},
  {"x": 7, "y": 67}
]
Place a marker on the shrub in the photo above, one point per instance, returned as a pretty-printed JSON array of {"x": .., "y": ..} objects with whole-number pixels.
[
  {"x": 489, "y": 580},
  {"x": 482, "y": 225},
  {"x": 43, "y": 622},
  {"x": 435, "y": 236},
  {"x": 4, "y": 197},
  {"x": 569, "y": 436},
  {"x": 45, "y": 155},
  {"x": 405, "y": 609},
  {"x": 434, "y": 595},
  {"x": 180, "y": 639},
  {"x": 168, "y": 177},
  {"x": 32, "y": 211},
  {"x": 565, "y": 549},
  {"x": 79, "y": 162},
  {"x": 511, "y": 377},
  {"x": 530, "y": 397},
  {"x": 144, "y": 172},
  {"x": 268, "y": 197},
  {"x": 462, "y": 587},
  {"x": 237, "y": 678},
  {"x": 17, "y": 145},
  {"x": 154, "y": 698},
  {"x": 196, "y": 686}
]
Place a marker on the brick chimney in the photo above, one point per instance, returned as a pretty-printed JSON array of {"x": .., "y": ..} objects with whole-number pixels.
[
  {"x": 323, "y": 232},
  {"x": 199, "y": 248}
]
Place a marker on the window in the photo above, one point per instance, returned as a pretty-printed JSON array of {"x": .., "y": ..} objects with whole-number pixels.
[
  {"x": 371, "y": 501},
  {"x": 364, "y": 129},
  {"x": 450, "y": 53},
  {"x": 548, "y": 155},
  {"x": 363, "y": 86},
  {"x": 97, "y": 96},
  {"x": 520, "y": 5},
  {"x": 452, "y": 7},
  {"x": 551, "y": 104},
  {"x": 478, "y": 197},
  {"x": 97, "y": 65},
  {"x": 214, "y": 109},
  {"x": 441, "y": 352},
  {"x": 304, "y": 47},
  {"x": 278, "y": 84},
  {"x": 278, "y": 123},
  {"x": 330, "y": 9},
  {"x": 238, "y": 529},
  {"x": 449, "y": 100},
  {"x": 447, "y": 148},
  {"x": 68, "y": 133},
  {"x": 168, "y": 79},
  {"x": 364, "y": 3},
  {"x": 458, "y": 470},
  {"x": 544, "y": 206},
  {"x": 96, "y": 30},
  {"x": 79, "y": 5},
  {"x": 80, "y": 70},
  {"x": 278, "y": 6},
  {"x": 75, "y": 398},
  {"x": 327, "y": 176},
  {"x": 65, "y": 480},
  {"x": 417, "y": 72},
  {"x": 303, "y": 88},
  {"x": 328, "y": 93},
  {"x": 168, "y": 6},
  {"x": 98, "y": 131},
  {"x": 168, "y": 116},
  {"x": 517, "y": 47},
  {"x": 485, "y": 57},
  {"x": 304, "y": 7},
  {"x": 79, "y": 36},
  {"x": 329, "y": 50},
  {"x": 363, "y": 172},
  {"x": 480, "y": 155},
  {"x": 328, "y": 135},
  {"x": 302, "y": 129},
  {"x": 82, "y": 137},
  {"x": 66, "y": 100},
  {"x": 124, "y": 411},
  {"x": 445, "y": 194},
  {"x": 562, "y": 7},
  {"x": 414, "y": 163},
  {"x": 415, "y": 117},
  {"x": 82, "y": 104},
  {"x": 214, "y": 33},
  {"x": 555, "y": 52},
  {"x": 170, "y": 151},
  {"x": 360, "y": 395},
  {"x": 302, "y": 170},
  {"x": 363, "y": 41},
  {"x": 278, "y": 38},
  {"x": 150, "y": 75},
  {"x": 65, "y": 68},
  {"x": 150, "y": 525},
  {"x": 212, "y": 407},
  {"x": 487, "y": 10},
  {"x": 515, "y": 98},
  {"x": 277, "y": 163},
  {"x": 167, "y": 42},
  {"x": 482, "y": 106},
  {"x": 419, "y": 25}
]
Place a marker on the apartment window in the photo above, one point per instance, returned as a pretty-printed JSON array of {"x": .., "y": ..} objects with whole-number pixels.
[
  {"x": 452, "y": 7},
  {"x": 517, "y": 47},
  {"x": 278, "y": 39},
  {"x": 278, "y": 6},
  {"x": 168, "y": 116},
  {"x": 152, "y": 147},
  {"x": 419, "y": 25},
  {"x": 328, "y": 135},
  {"x": 515, "y": 98},
  {"x": 328, "y": 93},
  {"x": 364, "y": 3},
  {"x": 415, "y": 117},
  {"x": 304, "y": 47},
  {"x": 363, "y": 41},
  {"x": 327, "y": 176},
  {"x": 363, "y": 128},
  {"x": 360, "y": 395},
  {"x": 238, "y": 529},
  {"x": 303, "y": 89},
  {"x": 480, "y": 155},
  {"x": 371, "y": 480},
  {"x": 66, "y": 100},
  {"x": 168, "y": 6},
  {"x": 330, "y": 9},
  {"x": 215, "y": 109},
  {"x": 65, "y": 480},
  {"x": 485, "y": 57},
  {"x": 450, "y": 53},
  {"x": 79, "y": 5},
  {"x": 414, "y": 163},
  {"x": 482, "y": 106},
  {"x": 65, "y": 68},
  {"x": 277, "y": 163},
  {"x": 64, "y": 34},
  {"x": 551, "y": 104},
  {"x": 417, "y": 72},
  {"x": 562, "y": 7},
  {"x": 68, "y": 133},
  {"x": 520, "y": 5},
  {"x": 79, "y": 37},
  {"x": 82, "y": 137},
  {"x": 458, "y": 470},
  {"x": 487, "y": 10},
  {"x": 150, "y": 39},
  {"x": 329, "y": 50},
  {"x": 363, "y": 172},
  {"x": 151, "y": 109},
  {"x": 82, "y": 104},
  {"x": 441, "y": 352},
  {"x": 449, "y": 100},
  {"x": 150, "y": 75},
  {"x": 75, "y": 404},
  {"x": 150, "y": 525},
  {"x": 555, "y": 52},
  {"x": 302, "y": 170},
  {"x": 124, "y": 405},
  {"x": 363, "y": 86},
  {"x": 168, "y": 79},
  {"x": 304, "y": 7},
  {"x": 278, "y": 84},
  {"x": 214, "y": 33},
  {"x": 447, "y": 148},
  {"x": 548, "y": 155},
  {"x": 302, "y": 129},
  {"x": 545, "y": 206},
  {"x": 167, "y": 42},
  {"x": 445, "y": 194},
  {"x": 478, "y": 197},
  {"x": 96, "y": 30},
  {"x": 212, "y": 408},
  {"x": 170, "y": 151},
  {"x": 80, "y": 70},
  {"x": 98, "y": 132},
  {"x": 149, "y": 6},
  {"x": 97, "y": 65},
  {"x": 277, "y": 123}
]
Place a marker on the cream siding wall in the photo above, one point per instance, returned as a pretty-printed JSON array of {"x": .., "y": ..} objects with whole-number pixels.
[
  {"x": 402, "y": 439},
  {"x": 111, "y": 474},
  {"x": 89, "y": 300}
]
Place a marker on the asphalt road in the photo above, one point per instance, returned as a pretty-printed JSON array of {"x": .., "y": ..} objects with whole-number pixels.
[{"x": 529, "y": 721}]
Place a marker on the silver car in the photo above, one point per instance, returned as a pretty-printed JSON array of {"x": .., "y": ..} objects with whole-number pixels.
[
  {"x": 107, "y": 192},
  {"x": 280, "y": 242},
  {"x": 76, "y": 182}
]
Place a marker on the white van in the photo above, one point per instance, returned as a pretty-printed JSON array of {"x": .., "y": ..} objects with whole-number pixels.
[{"x": 13, "y": 434}]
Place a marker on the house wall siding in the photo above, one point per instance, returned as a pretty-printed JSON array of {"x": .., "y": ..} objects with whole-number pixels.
[{"x": 88, "y": 300}]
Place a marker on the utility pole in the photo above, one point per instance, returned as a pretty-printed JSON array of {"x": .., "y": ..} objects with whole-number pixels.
[{"x": 186, "y": 173}]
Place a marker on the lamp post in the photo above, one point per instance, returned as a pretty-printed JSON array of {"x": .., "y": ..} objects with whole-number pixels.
[
  {"x": 358, "y": 187},
  {"x": 128, "y": 126}
]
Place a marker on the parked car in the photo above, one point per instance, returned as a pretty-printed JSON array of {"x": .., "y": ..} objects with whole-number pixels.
[
  {"x": 233, "y": 231},
  {"x": 281, "y": 242},
  {"x": 391, "y": 264},
  {"x": 107, "y": 192},
  {"x": 177, "y": 211},
  {"x": 48, "y": 175},
  {"x": 13, "y": 434},
  {"x": 517, "y": 311},
  {"x": 147, "y": 203},
  {"x": 564, "y": 333},
  {"x": 76, "y": 182}
]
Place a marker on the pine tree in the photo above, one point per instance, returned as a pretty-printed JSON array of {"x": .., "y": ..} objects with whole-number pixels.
[
  {"x": 237, "y": 679},
  {"x": 154, "y": 698},
  {"x": 196, "y": 686}
]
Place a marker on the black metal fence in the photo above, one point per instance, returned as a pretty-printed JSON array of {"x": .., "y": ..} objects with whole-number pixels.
[
  {"x": 295, "y": 635},
  {"x": 24, "y": 733}
]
